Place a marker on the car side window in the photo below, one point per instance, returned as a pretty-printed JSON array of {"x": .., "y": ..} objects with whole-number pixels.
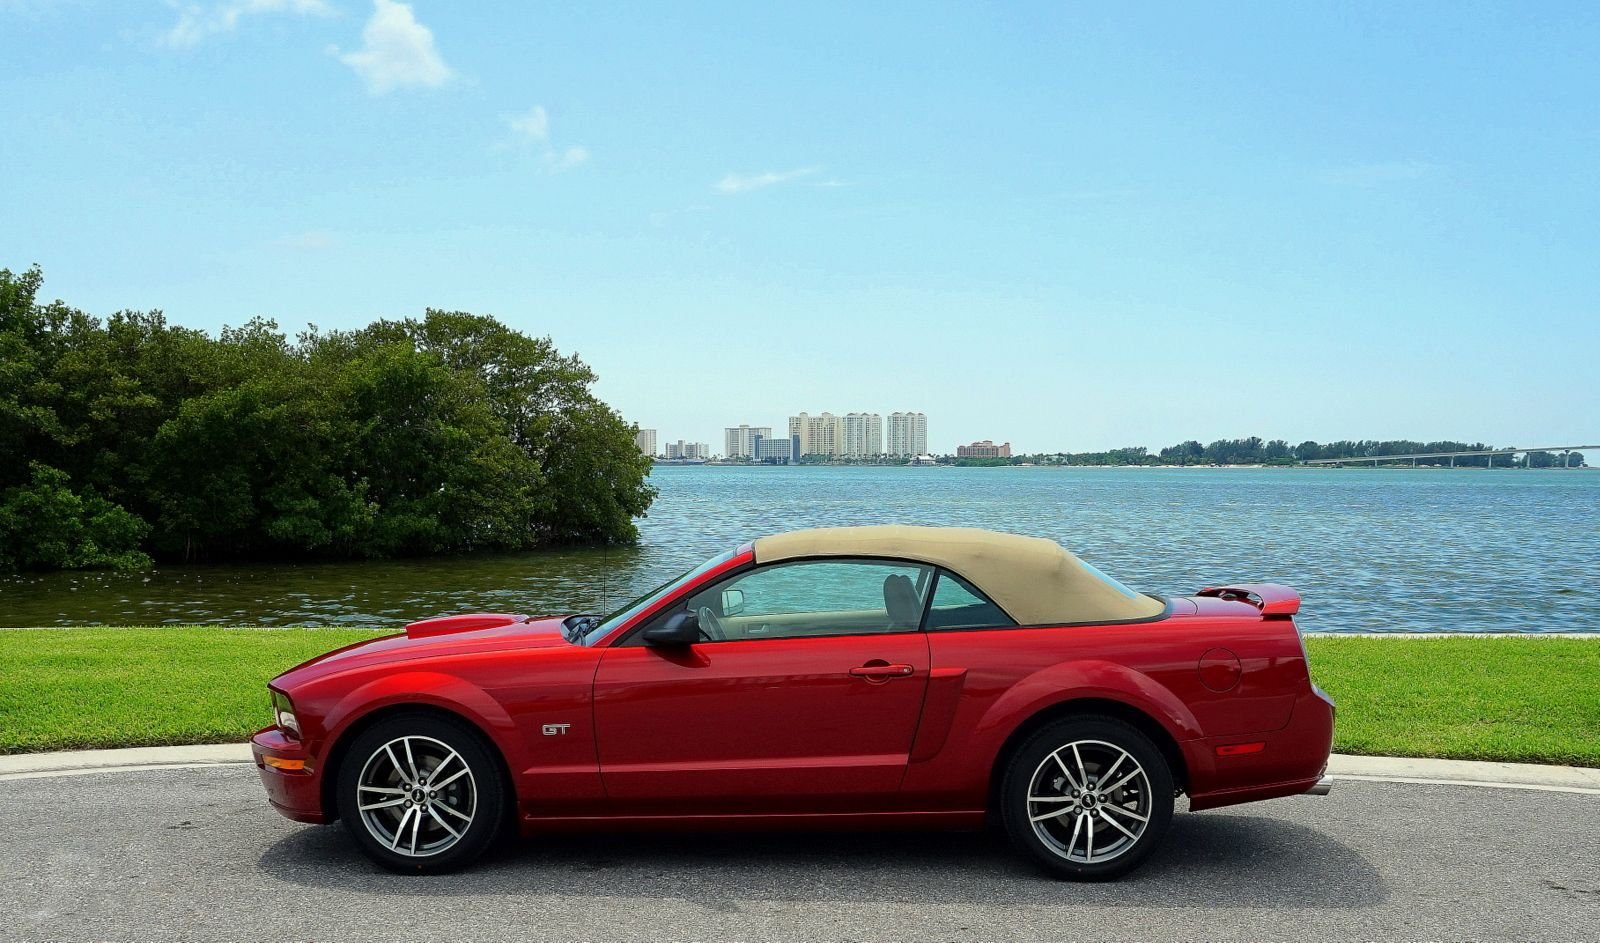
[
  {"x": 957, "y": 604},
  {"x": 815, "y": 598}
]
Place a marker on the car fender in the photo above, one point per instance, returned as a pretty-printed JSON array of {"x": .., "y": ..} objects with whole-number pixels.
[
  {"x": 1077, "y": 680},
  {"x": 429, "y": 688}
]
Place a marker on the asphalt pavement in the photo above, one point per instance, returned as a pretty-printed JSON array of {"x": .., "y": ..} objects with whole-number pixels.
[{"x": 197, "y": 854}]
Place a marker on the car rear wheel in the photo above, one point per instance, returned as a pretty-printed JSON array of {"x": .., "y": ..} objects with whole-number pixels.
[
  {"x": 1087, "y": 798},
  {"x": 420, "y": 792}
]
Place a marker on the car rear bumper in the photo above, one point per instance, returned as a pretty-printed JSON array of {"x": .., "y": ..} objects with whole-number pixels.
[
  {"x": 288, "y": 771},
  {"x": 1287, "y": 762}
]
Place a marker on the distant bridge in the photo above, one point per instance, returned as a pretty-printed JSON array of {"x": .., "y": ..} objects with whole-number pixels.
[{"x": 1452, "y": 456}]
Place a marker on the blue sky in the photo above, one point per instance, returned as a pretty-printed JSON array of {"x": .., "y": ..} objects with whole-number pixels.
[{"x": 1067, "y": 226}]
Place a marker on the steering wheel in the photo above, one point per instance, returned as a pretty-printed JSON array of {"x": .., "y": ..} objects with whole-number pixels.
[{"x": 710, "y": 625}]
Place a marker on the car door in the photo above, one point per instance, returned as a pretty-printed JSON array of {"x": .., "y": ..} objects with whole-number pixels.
[{"x": 805, "y": 697}]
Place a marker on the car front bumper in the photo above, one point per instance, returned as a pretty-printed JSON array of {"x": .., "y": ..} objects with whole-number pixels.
[{"x": 288, "y": 771}]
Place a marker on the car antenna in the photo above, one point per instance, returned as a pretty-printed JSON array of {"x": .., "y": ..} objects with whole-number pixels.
[{"x": 605, "y": 578}]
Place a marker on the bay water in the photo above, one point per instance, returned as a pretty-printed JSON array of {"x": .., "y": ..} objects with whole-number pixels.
[{"x": 1370, "y": 550}]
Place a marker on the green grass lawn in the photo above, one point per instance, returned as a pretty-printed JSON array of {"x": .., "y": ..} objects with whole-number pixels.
[
  {"x": 63, "y": 689},
  {"x": 1517, "y": 699},
  {"x": 1528, "y": 700}
]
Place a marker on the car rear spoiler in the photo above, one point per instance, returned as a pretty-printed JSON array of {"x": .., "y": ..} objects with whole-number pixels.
[{"x": 1275, "y": 600}]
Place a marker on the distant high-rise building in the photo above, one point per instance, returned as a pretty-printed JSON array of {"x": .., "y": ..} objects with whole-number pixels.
[
  {"x": 863, "y": 435},
  {"x": 693, "y": 450},
  {"x": 645, "y": 439},
  {"x": 908, "y": 434},
  {"x": 819, "y": 435},
  {"x": 784, "y": 451},
  {"x": 984, "y": 449},
  {"x": 741, "y": 440}
]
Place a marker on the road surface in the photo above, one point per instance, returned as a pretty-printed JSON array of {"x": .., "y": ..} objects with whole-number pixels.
[{"x": 197, "y": 854}]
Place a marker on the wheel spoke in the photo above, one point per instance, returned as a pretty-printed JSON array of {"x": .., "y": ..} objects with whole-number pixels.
[
  {"x": 1077, "y": 825},
  {"x": 455, "y": 812},
  {"x": 1067, "y": 772},
  {"x": 1108, "y": 773},
  {"x": 416, "y": 827},
  {"x": 1051, "y": 799},
  {"x": 442, "y": 823},
  {"x": 1120, "y": 827},
  {"x": 1088, "y": 853},
  {"x": 453, "y": 777},
  {"x": 1050, "y": 815},
  {"x": 401, "y": 828},
  {"x": 386, "y": 803},
  {"x": 411, "y": 761},
  {"x": 398, "y": 769},
  {"x": 1112, "y": 807},
  {"x": 434, "y": 774},
  {"x": 384, "y": 790},
  {"x": 1083, "y": 771},
  {"x": 1124, "y": 779}
]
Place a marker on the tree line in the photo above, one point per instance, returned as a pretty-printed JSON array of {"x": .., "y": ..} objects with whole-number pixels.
[
  {"x": 1256, "y": 451},
  {"x": 130, "y": 439}
]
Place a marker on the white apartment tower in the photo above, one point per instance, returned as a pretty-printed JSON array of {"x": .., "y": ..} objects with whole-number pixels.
[
  {"x": 819, "y": 435},
  {"x": 741, "y": 440},
  {"x": 863, "y": 435},
  {"x": 645, "y": 439},
  {"x": 908, "y": 434},
  {"x": 682, "y": 449}
]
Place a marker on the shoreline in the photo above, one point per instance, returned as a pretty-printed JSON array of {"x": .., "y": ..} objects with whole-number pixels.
[{"x": 1354, "y": 463}]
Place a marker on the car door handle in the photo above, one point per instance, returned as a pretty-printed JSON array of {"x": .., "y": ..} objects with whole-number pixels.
[{"x": 882, "y": 672}]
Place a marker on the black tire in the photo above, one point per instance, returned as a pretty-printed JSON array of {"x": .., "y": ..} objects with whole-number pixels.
[
  {"x": 453, "y": 825},
  {"x": 1109, "y": 815}
]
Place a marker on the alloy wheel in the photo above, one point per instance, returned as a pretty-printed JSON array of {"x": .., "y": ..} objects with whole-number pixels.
[
  {"x": 1089, "y": 801},
  {"x": 416, "y": 796}
]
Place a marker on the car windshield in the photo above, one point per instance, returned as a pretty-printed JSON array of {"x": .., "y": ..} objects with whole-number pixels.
[{"x": 617, "y": 619}]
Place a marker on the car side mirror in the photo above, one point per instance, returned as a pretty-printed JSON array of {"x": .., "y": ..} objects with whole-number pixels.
[
  {"x": 681, "y": 628},
  {"x": 732, "y": 602}
]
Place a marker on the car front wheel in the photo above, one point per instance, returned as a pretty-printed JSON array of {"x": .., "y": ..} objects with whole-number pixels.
[
  {"x": 1087, "y": 798},
  {"x": 420, "y": 792}
]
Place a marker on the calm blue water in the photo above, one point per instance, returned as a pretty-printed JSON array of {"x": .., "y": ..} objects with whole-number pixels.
[{"x": 1370, "y": 550}]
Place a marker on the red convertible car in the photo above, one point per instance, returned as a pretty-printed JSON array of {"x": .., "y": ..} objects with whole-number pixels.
[{"x": 843, "y": 677}]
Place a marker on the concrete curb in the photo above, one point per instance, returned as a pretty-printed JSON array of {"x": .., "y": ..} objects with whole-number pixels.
[
  {"x": 1400, "y": 769},
  {"x": 1389, "y": 769},
  {"x": 132, "y": 759}
]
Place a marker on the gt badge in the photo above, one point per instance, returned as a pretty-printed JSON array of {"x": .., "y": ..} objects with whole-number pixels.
[{"x": 555, "y": 730}]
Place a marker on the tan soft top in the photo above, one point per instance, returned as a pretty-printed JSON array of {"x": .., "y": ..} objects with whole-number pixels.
[{"x": 1036, "y": 581}]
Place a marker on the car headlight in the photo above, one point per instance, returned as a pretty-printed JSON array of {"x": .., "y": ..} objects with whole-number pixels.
[{"x": 283, "y": 714}]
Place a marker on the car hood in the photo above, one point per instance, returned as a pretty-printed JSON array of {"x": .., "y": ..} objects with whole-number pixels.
[{"x": 451, "y": 635}]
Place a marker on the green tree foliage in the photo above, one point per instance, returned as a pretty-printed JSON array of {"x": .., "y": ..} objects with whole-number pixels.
[
  {"x": 446, "y": 433},
  {"x": 44, "y": 524}
]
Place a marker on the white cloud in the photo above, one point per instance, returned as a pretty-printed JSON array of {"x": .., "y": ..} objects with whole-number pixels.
[
  {"x": 198, "y": 21},
  {"x": 531, "y": 130},
  {"x": 744, "y": 183},
  {"x": 565, "y": 159},
  {"x": 397, "y": 51},
  {"x": 533, "y": 125}
]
